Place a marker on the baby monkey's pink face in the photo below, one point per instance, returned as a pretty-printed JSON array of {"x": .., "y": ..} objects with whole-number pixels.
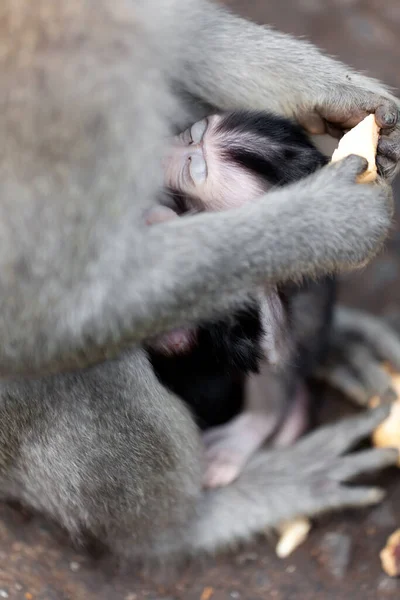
[{"x": 196, "y": 167}]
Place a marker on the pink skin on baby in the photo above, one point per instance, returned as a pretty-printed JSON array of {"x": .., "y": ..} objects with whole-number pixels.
[{"x": 195, "y": 168}]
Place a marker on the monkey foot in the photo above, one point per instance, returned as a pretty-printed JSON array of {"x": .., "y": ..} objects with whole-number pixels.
[
  {"x": 223, "y": 467},
  {"x": 363, "y": 355}
]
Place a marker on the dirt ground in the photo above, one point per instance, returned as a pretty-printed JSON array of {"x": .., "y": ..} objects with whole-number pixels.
[{"x": 340, "y": 559}]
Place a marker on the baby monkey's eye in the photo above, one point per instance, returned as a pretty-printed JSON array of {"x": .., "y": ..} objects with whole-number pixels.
[
  {"x": 197, "y": 169},
  {"x": 198, "y": 130}
]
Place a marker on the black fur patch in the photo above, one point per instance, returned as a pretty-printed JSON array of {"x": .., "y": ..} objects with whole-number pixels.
[
  {"x": 210, "y": 377},
  {"x": 284, "y": 153}
]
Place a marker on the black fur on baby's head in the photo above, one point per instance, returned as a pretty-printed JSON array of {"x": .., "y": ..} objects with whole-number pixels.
[{"x": 269, "y": 146}]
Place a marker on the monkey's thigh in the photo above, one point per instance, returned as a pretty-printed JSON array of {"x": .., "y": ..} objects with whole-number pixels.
[{"x": 107, "y": 451}]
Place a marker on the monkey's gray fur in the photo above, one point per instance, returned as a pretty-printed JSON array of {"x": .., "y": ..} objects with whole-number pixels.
[
  {"x": 90, "y": 90},
  {"x": 108, "y": 452},
  {"x": 86, "y": 104}
]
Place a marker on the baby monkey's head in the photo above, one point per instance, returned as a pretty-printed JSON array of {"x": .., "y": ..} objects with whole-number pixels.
[{"x": 227, "y": 160}]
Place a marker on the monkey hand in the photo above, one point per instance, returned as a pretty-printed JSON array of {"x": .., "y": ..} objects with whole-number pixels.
[
  {"x": 343, "y": 219},
  {"x": 308, "y": 479},
  {"x": 360, "y": 347},
  {"x": 340, "y": 107}
]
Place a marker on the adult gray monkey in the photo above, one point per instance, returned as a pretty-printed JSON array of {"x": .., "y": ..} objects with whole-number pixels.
[
  {"x": 86, "y": 102},
  {"x": 88, "y": 94}
]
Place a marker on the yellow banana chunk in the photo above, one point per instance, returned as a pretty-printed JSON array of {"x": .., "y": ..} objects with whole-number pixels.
[{"x": 362, "y": 140}]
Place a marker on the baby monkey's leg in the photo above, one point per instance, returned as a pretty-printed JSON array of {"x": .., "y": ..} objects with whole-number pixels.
[
  {"x": 297, "y": 420},
  {"x": 266, "y": 395},
  {"x": 269, "y": 412},
  {"x": 229, "y": 447}
]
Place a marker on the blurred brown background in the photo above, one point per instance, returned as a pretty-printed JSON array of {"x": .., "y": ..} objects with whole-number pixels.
[{"x": 340, "y": 559}]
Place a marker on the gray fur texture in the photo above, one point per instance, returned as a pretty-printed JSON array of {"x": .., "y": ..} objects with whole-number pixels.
[
  {"x": 109, "y": 453},
  {"x": 87, "y": 104},
  {"x": 90, "y": 90}
]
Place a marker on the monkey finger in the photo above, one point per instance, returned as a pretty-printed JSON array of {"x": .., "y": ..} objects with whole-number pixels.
[
  {"x": 388, "y": 157},
  {"x": 326, "y": 498},
  {"x": 315, "y": 124},
  {"x": 341, "y": 117},
  {"x": 348, "y": 106},
  {"x": 340, "y": 377},
  {"x": 389, "y": 147},
  {"x": 334, "y": 131},
  {"x": 312, "y": 122},
  {"x": 363, "y": 463},
  {"x": 369, "y": 371},
  {"x": 379, "y": 335},
  {"x": 354, "y": 497},
  {"x": 351, "y": 166},
  {"x": 387, "y": 169},
  {"x": 334, "y": 440},
  {"x": 340, "y": 497}
]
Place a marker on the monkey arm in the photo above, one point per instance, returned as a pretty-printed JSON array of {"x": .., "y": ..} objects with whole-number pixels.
[
  {"x": 233, "y": 63},
  {"x": 184, "y": 270},
  {"x": 83, "y": 125},
  {"x": 135, "y": 452}
]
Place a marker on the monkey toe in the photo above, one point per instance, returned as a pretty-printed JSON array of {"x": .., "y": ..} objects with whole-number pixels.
[
  {"x": 348, "y": 497},
  {"x": 220, "y": 475},
  {"x": 336, "y": 439},
  {"x": 222, "y": 469},
  {"x": 365, "y": 462}
]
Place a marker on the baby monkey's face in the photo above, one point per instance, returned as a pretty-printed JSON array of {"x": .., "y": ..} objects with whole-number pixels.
[{"x": 196, "y": 166}]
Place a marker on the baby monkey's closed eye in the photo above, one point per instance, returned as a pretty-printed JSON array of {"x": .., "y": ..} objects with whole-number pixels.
[
  {"x": 197, "y": 168},
  {"x": 198, "y": 130}
]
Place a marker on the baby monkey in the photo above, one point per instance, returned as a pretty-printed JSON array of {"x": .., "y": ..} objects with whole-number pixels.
[{"x": 263, "y": 353}]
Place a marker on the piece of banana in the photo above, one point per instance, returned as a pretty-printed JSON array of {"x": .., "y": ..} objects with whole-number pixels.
[{"x": 362, "y": 140}]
